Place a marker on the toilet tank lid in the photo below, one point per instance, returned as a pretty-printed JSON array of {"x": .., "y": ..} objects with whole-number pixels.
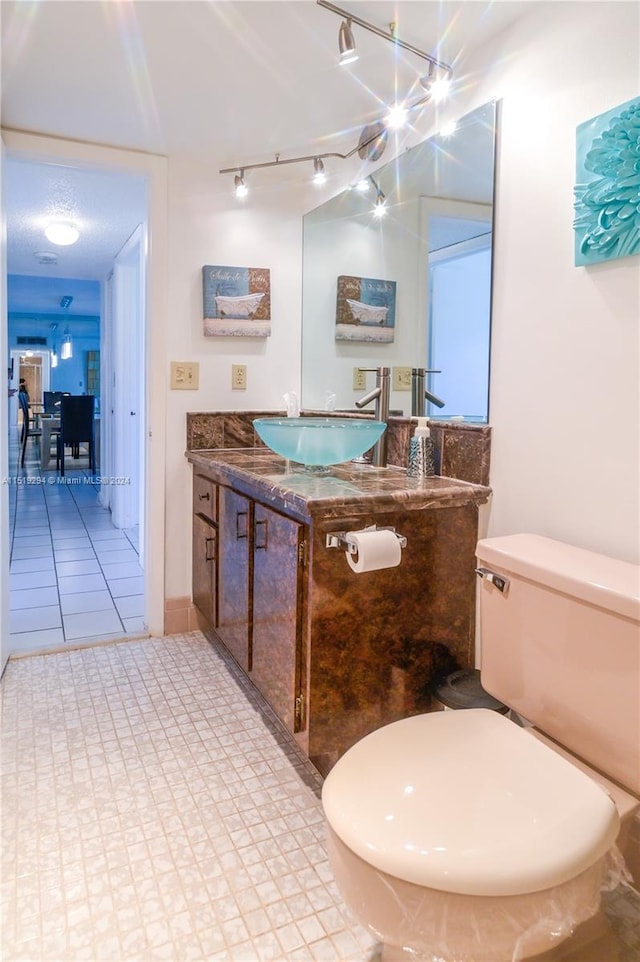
[{"x": 597, "y": 579}]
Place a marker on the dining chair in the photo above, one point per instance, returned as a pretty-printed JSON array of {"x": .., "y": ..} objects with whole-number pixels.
[
  {"x": 52, "y": 401},
  {"x": 29, "y": 428},
  {"x": 76, "y": 427}
]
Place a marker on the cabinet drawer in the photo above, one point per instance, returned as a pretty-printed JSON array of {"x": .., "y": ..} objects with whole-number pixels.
[{"x": 204, "y": 497}]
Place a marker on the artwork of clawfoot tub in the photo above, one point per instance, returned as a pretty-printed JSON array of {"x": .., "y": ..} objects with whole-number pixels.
[
  {"x": 236, "y": 301},
  {"x": 365, "y": 309}
]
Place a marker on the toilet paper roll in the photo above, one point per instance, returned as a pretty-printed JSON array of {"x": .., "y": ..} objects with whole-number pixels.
[{"x": 376, "y": 549}]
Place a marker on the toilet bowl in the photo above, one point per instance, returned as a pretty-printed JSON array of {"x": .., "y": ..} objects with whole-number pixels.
[
  {"x": 493, "y": 848},
  {"x": 461, "y": 837}
]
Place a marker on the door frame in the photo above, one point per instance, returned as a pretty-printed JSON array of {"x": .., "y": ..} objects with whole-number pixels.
[{"x": 41, "y": 149}]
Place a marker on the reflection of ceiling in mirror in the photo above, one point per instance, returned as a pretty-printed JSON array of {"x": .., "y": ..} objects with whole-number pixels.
[
  {"x": 447, "y": 231},
  {"x": 458, "y": 167}
]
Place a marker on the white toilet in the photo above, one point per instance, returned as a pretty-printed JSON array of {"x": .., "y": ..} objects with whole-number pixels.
[{"x": 459, "y": 836}]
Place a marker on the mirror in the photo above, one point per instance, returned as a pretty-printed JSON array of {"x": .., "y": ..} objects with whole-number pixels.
[{"x": 411, "y": 289}]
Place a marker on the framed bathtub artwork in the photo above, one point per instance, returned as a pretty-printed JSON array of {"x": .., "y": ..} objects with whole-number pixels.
[
  {"x": 607, "y": 191},
  {"x": 236, "y": 301},
  {"x": 365, "y": 309}
]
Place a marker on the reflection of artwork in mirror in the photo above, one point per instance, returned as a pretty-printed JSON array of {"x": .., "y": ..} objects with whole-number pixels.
[
  {"x": 607, "y": 191},
  {"x": 365, "y": 309},
  {"x": 236, "y": 301},
  {"x": 436, "y": 243}
]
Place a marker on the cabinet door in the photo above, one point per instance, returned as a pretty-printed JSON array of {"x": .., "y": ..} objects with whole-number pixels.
[
  {"x": 204, "y": 567},
  {"x": 277, "y": 612},
  {"x": 233, "y": 574}
]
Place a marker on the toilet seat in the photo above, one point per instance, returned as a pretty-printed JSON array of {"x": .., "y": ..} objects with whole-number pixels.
[{"x": 467, "y": 802}]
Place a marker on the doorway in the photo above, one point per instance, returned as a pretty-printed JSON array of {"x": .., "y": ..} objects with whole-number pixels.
[{"x": 154, "y": 170}]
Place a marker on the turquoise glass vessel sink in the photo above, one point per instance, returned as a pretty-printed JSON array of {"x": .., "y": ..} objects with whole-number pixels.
[{"x": 318, "y": 442}]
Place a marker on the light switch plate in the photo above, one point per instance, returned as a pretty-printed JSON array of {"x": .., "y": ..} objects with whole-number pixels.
[{"x": 185, "y": 375}]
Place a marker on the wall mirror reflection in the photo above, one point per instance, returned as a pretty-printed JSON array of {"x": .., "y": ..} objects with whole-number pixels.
[{"x": 434, "y": 241}]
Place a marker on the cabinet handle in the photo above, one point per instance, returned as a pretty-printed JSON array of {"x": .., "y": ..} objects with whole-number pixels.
[
  {"x": 204, "y": 497},
  {"x": 265, "y": 528},
  {"x": 207, "y": 542},
  {"x": 244, "y": 532}
]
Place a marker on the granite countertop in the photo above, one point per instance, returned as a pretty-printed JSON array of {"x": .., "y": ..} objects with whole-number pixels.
[{"x": 351, "y": 487}]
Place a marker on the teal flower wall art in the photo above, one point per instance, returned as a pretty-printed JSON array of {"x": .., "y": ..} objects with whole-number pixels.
[{"x": 607, "y": 191}]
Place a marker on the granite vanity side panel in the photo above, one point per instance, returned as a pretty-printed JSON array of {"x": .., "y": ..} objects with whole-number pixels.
[{"x": 379, "y": 638}]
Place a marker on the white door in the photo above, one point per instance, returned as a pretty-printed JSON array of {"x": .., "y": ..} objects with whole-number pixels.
[
  {"x": 126, "y": 479},
  {"x": 4, "y": 448}
]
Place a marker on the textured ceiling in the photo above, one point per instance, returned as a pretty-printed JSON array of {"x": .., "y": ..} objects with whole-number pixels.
[{"x": 223, "y": 82}]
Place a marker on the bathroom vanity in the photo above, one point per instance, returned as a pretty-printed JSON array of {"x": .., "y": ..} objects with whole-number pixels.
[{"x": 335, "y": 653}]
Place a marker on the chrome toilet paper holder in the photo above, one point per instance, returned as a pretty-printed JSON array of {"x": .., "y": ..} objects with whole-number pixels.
[{"x": 341, "y": 539}]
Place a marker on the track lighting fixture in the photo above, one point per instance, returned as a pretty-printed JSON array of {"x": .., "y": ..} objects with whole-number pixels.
[
  {"x": 346, "y": 44},
  {"x": 373, "y": 138},
  {"x": 379, "y": 32}
]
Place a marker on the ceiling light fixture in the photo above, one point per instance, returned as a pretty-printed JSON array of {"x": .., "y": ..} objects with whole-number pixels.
[
  {"x": 346, "y": 43},
  {"x": 66, "y": 351},
  {"x": 54, "y": 357},
  {"x": 373, "y": 138},
  {"x": 61, "y": 232}
]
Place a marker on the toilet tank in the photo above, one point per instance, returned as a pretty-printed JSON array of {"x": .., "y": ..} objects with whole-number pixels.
[{"x": 561, "y": 645}]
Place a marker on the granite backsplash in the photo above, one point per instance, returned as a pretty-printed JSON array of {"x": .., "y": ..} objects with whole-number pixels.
[{"x": 461, "y": 450}]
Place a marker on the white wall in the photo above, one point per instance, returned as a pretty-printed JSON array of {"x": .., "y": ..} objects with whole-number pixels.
[
  {"x": 207, "y": 225},
  {"x": 564, "y": 377}
]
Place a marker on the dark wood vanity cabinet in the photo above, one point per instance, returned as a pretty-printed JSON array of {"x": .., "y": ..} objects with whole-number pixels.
[
  {"x": 204, "y": 551},
  {"x": 336, "y": 653},
  {"x": 252, "y": 593},
  {"x": 234, "y": 571},
  {"x": 278, "y": 600}
]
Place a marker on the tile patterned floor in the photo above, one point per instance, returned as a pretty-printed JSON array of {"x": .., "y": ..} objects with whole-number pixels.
[
  {"x": 154, "y": 809},
  {"x": 74, "y": 577}
]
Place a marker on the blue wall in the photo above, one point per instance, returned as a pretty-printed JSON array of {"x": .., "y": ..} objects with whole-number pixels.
[{"x": 33, "y": 311}]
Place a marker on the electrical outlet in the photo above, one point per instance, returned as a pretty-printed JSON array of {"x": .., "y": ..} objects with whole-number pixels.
[
  {"x": 359, "y": 379},
  {"x": 238, "y": 377},
  {"x": 401, "y": 379},
  {"x": 185, "y": 375}
]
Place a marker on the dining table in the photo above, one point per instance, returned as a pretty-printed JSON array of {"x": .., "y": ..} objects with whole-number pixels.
[{"x": 50, "y": 427}]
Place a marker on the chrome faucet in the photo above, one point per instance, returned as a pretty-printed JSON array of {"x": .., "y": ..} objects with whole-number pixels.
[
  {"x": 380, "y": 394},
  {"x": 419, "y": 393}
]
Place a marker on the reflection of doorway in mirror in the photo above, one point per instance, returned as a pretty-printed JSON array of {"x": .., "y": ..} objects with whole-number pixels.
[{"x": 459, "y": 328}]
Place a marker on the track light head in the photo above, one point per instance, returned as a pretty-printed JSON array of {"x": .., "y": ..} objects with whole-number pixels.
[
  {"x": 380, "y": 209},
  {"x": 241, "y": 188},
  {"x": 346, "y": 44},
  {"x": 319, "y": 175},
  {"x": 437, "y": 82}
]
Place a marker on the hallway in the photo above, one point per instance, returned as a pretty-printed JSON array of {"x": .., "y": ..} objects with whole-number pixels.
[{"x": 73, "y": 576}]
